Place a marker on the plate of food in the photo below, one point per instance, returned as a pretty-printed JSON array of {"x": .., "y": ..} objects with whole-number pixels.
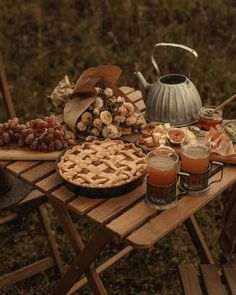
[{"x": 154, "y": 135}]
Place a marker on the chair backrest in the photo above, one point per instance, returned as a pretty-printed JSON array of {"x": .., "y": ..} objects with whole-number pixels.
[{"x": 7, "y": 99}]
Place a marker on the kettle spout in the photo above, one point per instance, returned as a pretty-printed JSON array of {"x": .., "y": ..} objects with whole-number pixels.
[{"x": 143, "y": 84}]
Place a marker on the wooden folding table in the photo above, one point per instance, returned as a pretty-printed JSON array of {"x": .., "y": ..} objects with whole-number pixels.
[{"x": 126, "y": 217}]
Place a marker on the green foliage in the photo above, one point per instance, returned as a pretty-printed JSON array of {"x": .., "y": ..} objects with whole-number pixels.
[{"x": 44, "y": 40}]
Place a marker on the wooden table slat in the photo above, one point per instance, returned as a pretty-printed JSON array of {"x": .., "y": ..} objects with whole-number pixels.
[
  {"x": 26, "y": 154},
  {"x": 135, "y": 96},
  {"x": 127, "y": 89},
  {"x": 160, "y": 225},
  {"x": 230, "y": 277},
  {"x": 140, "y": 105},
  {"x": 189, "y": 279},
  {"x": 63, "y": 194},
  {"x": 212, "y": 280},
  {"x": 82, "y": 205},
  {"x": 5, "y": 163},
  {"x": 49, "y": 183},
  {"x": 19, "y": 167},
  {"x": 131, "y": 219},
  {"x": 115, "y": 206},
  {"x": 38, "y": 172}
]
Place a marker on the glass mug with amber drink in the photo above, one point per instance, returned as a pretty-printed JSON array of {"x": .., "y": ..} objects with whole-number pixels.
[
  {"x": 162, "y": 175},
  {"x": 195, "y": 160}
]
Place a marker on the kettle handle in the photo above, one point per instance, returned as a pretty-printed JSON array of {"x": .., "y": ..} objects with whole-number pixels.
[{"x": 172, "y": 45}]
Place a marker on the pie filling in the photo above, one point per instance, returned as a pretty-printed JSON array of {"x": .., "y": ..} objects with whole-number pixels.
[{"x": 102, "y": 163}]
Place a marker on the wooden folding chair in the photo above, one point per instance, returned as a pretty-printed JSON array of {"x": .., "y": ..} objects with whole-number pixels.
[
  {"x": 210, "y": 280},
  {"x": 34, "y": 200}
]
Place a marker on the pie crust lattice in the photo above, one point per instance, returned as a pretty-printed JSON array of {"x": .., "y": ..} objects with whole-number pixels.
[{"x": 106, "y": 163}]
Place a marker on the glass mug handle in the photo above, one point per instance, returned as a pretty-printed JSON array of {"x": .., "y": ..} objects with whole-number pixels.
[
  {"x": 221, "y": 174},
  {"x": 184, "y": 192}
]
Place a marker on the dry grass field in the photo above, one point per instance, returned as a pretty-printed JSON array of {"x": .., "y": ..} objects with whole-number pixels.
[{"x": 42, "y": 40}]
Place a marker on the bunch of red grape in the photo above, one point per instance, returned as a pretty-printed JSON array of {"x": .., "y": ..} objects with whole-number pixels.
[
  {"x": 10, "y": 131},
  {"x": 39, "y": 134}
]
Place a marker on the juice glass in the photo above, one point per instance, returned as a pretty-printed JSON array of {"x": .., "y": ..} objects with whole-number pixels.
[
  {"x": 162, "y": 172},
  {"x": 162, "y": 168},
  {"x": 195, "y": 156},
  {"x": 195, "y": 161}
]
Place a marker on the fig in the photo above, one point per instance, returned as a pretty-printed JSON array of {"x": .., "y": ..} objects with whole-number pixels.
[{"x": 176, "y": 135}]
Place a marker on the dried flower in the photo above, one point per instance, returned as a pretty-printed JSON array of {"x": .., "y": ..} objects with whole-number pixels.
[
  {"x": 86, "y": 117},
  {"x": 106, "y": 117},
  {"x": 81, "y": 126},
  {"x": 120, "y": 99},
  {"x": 99, "y": 90},
  {"x": 97, "y": 123},
  {"x": 94, "y": 131},
  {"x": 61, "y": 93},
  {"x": 119, "y": 119},
  {"x": 98, "y": 103},
  {"x": 111, "y": 131},
  {"x": 113, "y": 99},
  {"x": 140, "y": 120},
  {"x": 122, "y": 111},
  {"x": 129, "y": 107},
  {"x": 108, "y": 92},
  {"x": 126, "y": 130},
  {"x": 96, "y": 112},
  {"x": 131, "y": 120}
]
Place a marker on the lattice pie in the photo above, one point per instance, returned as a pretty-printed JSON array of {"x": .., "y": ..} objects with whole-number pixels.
[{"x": 104, "y": 163}]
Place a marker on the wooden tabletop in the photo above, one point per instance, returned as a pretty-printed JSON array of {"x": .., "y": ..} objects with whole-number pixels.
[{"x": 127, "y": 216}]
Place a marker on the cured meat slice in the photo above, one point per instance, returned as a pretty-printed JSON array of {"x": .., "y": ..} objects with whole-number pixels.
[
  {"x": 213, "y": 134},
  {"x": 218, "y": 139},
  {"x": 221, "y": 149},
  {"x": 231, "y": 149},
  {"x": 222, "y": 144}
]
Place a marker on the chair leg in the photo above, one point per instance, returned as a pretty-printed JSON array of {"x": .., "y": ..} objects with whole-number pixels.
[
  {"x": 40, "y": 265},
  {"x": 26, "y": 272},
  {"x": 35, "y": 200},
  {"x": 46, "y": 221},
  {"x": 5, "y": 90},
  {"x": 8, "y": 218},
  {"x": 198, "y": 240},
  {"x": 31, "y": 202}
]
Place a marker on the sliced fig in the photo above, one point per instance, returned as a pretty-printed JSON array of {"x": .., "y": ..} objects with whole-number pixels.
[{"x": 176, "y": 135}]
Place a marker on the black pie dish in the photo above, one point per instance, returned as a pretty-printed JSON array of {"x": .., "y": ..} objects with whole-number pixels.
[{"x": 99, "y": 192}]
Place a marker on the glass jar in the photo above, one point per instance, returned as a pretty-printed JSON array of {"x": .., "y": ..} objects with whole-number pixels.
[{"x": 208, "y": 117}]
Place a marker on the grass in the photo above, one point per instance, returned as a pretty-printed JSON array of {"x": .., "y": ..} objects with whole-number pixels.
[
  {"x": 144, "y": 272},
  {"x": 43, "y": 40}
]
